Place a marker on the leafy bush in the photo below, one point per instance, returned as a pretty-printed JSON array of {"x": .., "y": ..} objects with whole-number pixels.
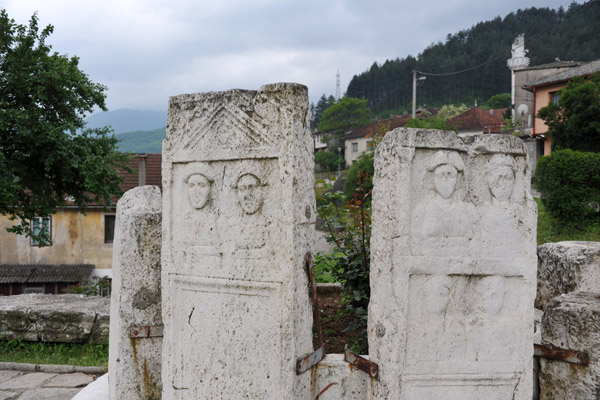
[
  {"x": 569, "y": 182},
  {"x": 327, "y": 161},
  {"x": 348, "y": 223},
  {"x": 356, "y": 174}
]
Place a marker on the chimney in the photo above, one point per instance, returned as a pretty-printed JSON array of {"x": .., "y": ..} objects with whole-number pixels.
[{"x": 142, "y": 169}]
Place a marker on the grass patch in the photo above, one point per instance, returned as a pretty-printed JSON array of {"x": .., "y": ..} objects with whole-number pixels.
[
  {"x": 21, "y": 351},
  {"x": 549, "y": 230}
]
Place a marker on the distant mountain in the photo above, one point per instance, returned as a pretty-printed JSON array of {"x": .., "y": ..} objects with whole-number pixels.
[
  {"x": 142, "y": 141},
  {"x": 127, "y": 120}
]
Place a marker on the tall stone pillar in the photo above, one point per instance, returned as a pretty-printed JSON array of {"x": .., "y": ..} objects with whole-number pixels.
[
  {"x": 453, "y": 267},
  {"x": 239, "y": 209},
  {"x": 134, "y": 365}
]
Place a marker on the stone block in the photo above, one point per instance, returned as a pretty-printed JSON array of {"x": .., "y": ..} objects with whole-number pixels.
[
  {"x": 334, "y": 379},
  {"x": 135, "y": 362},
  {"x": 66, "y": 318},
  {"x": 453, "y": 267},
  {"x": 572, "y": 321},
  {"x": 239, "y": 212},
  {"x": 565, "y": 267}
]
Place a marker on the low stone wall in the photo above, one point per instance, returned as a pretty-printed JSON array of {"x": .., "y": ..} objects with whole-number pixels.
[{"x": 68, "y": 318}]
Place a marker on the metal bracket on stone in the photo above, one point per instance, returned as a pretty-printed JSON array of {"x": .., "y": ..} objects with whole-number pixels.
[
  {"x": 361, "y": 363},
  {"x": 306, "y": 363},
  {"x": 554, "y": 353},
  {"x": 146, "y": 331}
]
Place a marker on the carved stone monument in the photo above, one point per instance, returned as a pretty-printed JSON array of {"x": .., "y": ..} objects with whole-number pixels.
[
  {"x": 453, "y": 267},
  {"x": 135, "y": 362},
  {"x": 239, "y": 209}
]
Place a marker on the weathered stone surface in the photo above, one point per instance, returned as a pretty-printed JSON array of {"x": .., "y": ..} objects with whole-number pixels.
[
  {"x": 565, "y": 267},
  {"x": 239, "y": 212},
  {"x": 135, "y": 363},
  {"x": 67, "y": 318},
  {"x": 335, "y": 380},
  {"x": 75, "y": 380},
  {"x": 453, "y": 267},
  {"x": 49, "y": 394},
  {"x": 27, "y": 381},
  {"x": 572, "y": 321}
]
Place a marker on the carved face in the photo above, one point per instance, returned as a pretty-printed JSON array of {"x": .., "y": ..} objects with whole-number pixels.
[
  {"x": 444, "y": 180},
  {"x": 249, "y": 193},
  {"x": 438, "y": 293},
  {"x": 492, "y": 290},
  {"x": 501, "y": 182},
  {"x": 198, "y": 190}
]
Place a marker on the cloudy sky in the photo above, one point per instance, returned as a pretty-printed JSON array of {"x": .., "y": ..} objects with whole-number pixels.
[{"x": 148, "y": 50}]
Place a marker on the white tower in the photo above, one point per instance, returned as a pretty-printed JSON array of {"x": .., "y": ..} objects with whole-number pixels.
[{"x": 519, "y": 60}]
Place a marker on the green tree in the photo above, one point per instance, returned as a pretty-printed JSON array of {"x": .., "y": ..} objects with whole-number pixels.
[
  {"x": 573, "y": 123},
  {"x": 345, "y": 115},
  {"x": 501, "y": 100},
  {"x": 430, "y": 123},
  {"x": 328, "y": 161},
  {"x": 449, "y": 111},
  {"x": 43, "y": 161},
  {"x": 317, "y": 110}
]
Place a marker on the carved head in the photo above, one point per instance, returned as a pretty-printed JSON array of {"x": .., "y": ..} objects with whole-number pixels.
[
  {"x": 249, "y": 193},
  {"x": 492, "y": 290},
  {"x": 500, "y": 170},
  {"x": 198, "y": 190},
  {"x": 445, "y": 167},
  {"x": 437, "y": 289}
]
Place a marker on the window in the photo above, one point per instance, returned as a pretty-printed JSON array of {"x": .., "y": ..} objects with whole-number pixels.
[
  {"x": 109, "y": 228},
  {"x": 355, "y": 147},
  {"x": 30, "y": 290},
  {"x": 41, "y": 226},
  {"x": 554, "y": 97}
]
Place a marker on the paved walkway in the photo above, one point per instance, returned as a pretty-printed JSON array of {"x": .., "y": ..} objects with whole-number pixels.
[{"x": 31, "y": 382}]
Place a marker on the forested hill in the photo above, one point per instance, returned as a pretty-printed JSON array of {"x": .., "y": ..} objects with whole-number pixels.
[{"x": 572, "y": 34}]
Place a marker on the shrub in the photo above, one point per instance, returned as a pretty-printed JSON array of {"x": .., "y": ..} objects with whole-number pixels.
[
  {"x": 569, "y": 182},
  {"x": 364, "y": 164}
]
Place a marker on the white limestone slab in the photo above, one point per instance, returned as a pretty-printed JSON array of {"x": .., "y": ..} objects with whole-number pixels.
[
  {"x": 239, "y": 210},
  {"x": 453, "y": 267},
  {"x": 135, "y": 363}
]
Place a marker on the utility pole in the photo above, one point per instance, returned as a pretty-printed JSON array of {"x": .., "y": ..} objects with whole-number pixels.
[
  {"x": 414, "y": 99},
  {"x": 337, "y": 85}
]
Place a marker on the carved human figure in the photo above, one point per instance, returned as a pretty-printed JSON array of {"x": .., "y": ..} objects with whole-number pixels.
[
  {"x": 491, "y": 339},
  {"x": 442, "y": 222},
  {"x": 199, "y": 187},
  {"x": 500, "y": 171},
  {"x": 249, "y": 193},
  {"x": 500, "y": 233}
]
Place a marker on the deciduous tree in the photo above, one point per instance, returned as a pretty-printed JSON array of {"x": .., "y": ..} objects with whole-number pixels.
[{"x": 46, "y": 154}]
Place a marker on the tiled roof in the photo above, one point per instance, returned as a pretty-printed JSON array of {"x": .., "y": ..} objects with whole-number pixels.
[
  {"x": 44, "y": 273},
  {"x": 477, "y": 119},
  {"x": 153, "y": 171},
  {"x": 365, "y": 130},
  {"x": 555, "y": 64},
  {"x": 582, "y": 70}
]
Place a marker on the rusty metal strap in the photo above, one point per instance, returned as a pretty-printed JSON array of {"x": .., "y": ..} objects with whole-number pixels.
[
  {"x": 554, "y": 353},
  {"x": 306, "y": 363},
  {"x": 146, "y": 331},
  {"x": 361, "y": 363}
]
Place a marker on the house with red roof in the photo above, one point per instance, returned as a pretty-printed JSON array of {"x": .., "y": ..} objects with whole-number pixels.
[
  {"x": 81, "y": 243},
  {"x": 478, "y": 121}
]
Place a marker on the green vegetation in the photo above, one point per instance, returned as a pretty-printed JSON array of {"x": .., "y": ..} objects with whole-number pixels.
[
  {"x": 21, "y": 351},
  {"x": 317, "y": 110},
  {"x": 501, "y": 100},
  {"x": 573, "y": 123},
  {"x": 328, "y": 161},
  {"x": 142, "y": 141},
  {"x": 567, "y": 34},
  {"x": 43, "y": 161},
  {"x": 551, "y": 230},
  {"x": 345, "y": 115},
  {"x": 431, "y": 123},
  {"x": 569, "y": 182}
]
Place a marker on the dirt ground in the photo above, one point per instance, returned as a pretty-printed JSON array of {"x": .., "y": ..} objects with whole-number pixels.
[{"x": 334, "y": 322}]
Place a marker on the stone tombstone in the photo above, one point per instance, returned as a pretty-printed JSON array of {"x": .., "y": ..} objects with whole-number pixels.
[
  {"x": 239, "y": 212},
  {"x": 453, "y": 267},
  {"x": 135, "y": 363}
]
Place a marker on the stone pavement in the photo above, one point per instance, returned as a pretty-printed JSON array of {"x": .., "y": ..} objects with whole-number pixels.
[{"x": 43, "y": 382}]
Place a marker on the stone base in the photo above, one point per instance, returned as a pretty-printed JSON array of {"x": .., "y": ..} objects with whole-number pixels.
[
  {"x": 572, "y": 322},
  {"x": 65, "y": 318}
]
